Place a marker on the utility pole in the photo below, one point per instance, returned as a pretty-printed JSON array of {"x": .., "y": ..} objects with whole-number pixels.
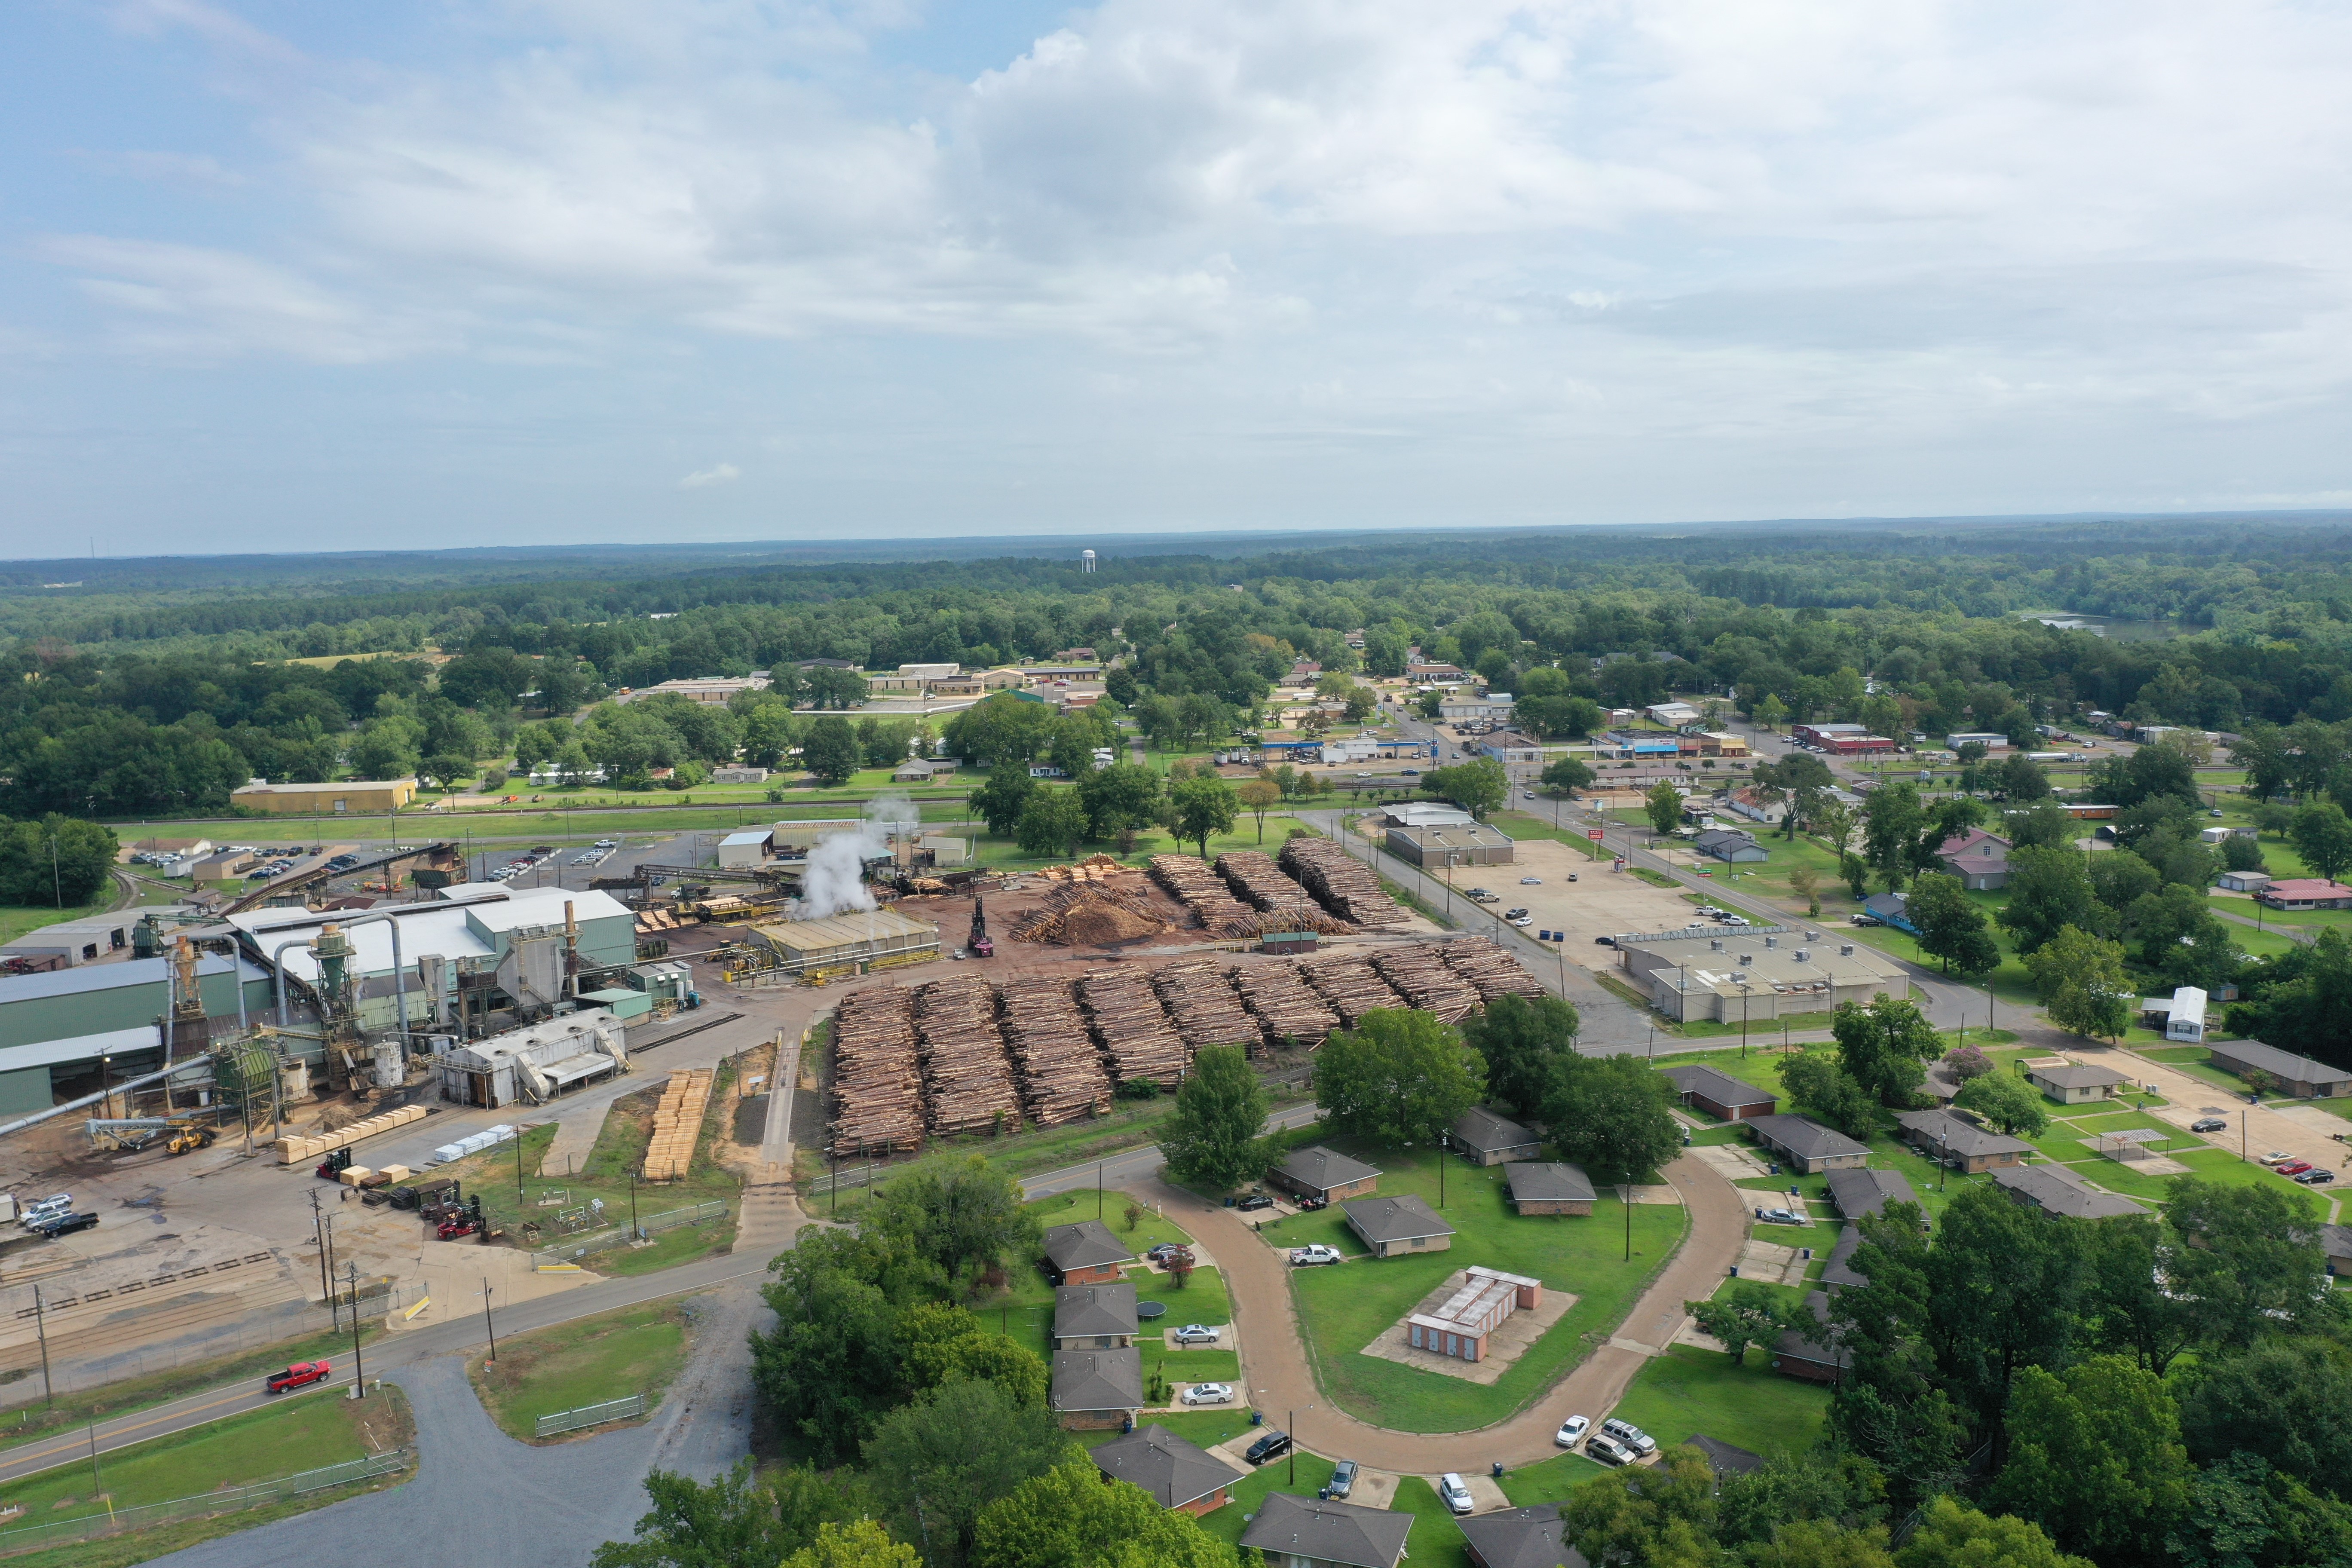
[
  {"x": 490, "y": 1360},
  {"x": 97, "y": 1484},
  {"x": 359, "y": 1367},
  {"x": 41, "y": 1327},
  {"x": 318, "y": 1234},
  {"x": 335, "y": 1302}
]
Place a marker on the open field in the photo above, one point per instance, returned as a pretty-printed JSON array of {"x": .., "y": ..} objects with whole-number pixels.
[{"x": 637, "y": 1349}]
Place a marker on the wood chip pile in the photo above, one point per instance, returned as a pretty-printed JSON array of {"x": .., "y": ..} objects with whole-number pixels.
[
  {"x": 1287, "y": 1007},
  {"x": 877, "y": 1087},
  {"x": 1061, "y": 1077},
  {"x": 967, "y": 1078},
  {"x": 1093, "y": 869},
  {"x": 1346, "y": 885},
  {"x": 1133, "y": 1026},
  {"x": 1200, "y": 996},
  {"x": 1188, "y": 879},
  {"x": 1090, "y": 915},
  {"x": 1495, "y": 970},
  {"x": 1352, "y": 985},
  {"x": 678, "y": 1122},
  {"x": 1423, "y": 978}
]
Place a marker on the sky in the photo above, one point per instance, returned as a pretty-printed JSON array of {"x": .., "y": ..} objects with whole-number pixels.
[{"x": 282, "y": 276}]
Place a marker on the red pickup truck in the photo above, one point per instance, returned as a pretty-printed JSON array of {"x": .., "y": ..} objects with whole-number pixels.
[{"x": 300, "y": 1375}]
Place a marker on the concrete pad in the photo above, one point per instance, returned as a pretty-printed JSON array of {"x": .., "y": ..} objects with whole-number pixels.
[
  {"x": 1228, "y": 1338},
  {"x": 1732, "y": 1162},
  {"x": 1772, "y": 1262},
  {"x": 1504, "y": 1346},
  {"x": 1373, "y": 1489},
  {"x": 1692, "y": 1334},
  {"x": 1600, "y": 902},
  {"x": 1486, "y": 1494},
  {"x": 1658, "y": 1194}
]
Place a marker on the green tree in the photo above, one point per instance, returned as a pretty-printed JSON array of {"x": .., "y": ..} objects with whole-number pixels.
[
  {"x": 1819, "y": 1087},
  {"x": 2003, "y": 1285},
  {"x": 1568, "y": 775},
  {"x": 1120, "y": 799},
  {"x": 1258, "y": 796},
  {"x": 829, "y": 751},
  {"x": 1614, "y": 1116},
  {"x": 388, "y": 748},
  {"x": 2006, "y": 1100},
  {"x": 54, "y": 862},
  {"x": 831, "y": 1365},
  {"x": 1205, "y": 806},
  {"x": 1399, "y": 1076},
  {"x": 1004, "y": 797},
  {"x": 2288, "y": 1401},
  {"x": 1523, "y": 1041},
  {"x": 1821, "y": 1543},
  {"x": 1663, "y": 807},
  {"x": 769, "y": 734},
  {"x": 1068, "y": 1517},
  {"x": 1805, "y": 883},
  {"x": 1770, "y": 713},
  {"x": 1892, "y": 822},
  {"x": 2043, "y": 826},
  {"x": 1885, "y": 1046},
  {"x": 1950, "y": 927},
  {"x": 1477, "y": 787},
  {"x": 943, "y": 1343},
  {"x": 2082, "y": 980},
  {"x": 2128, "y": 1307},
  {"x": 940, "y": 1460},
  {"x": 2322, "y": 835},
  {"x": 448, "y": 770},
  {"x": 733, "y": 1520},
  {"x": 1746, "y": 1314},
  {"x": 965, "y": 1218},
  {"x": 1213, "y": 1139},
  {"x": 2049, "y": 890},
  {"x": 861, "y": 1543},
  {"x": 2243, "y": 1514},
  {"x": 1662, "y": 1516},
  {"x": 2252, "y": 1262},
  {"x": 1953, "y": 1535},
  {"x": 2095, "y": 1459},
  {"x": 1052, "y": 822}
]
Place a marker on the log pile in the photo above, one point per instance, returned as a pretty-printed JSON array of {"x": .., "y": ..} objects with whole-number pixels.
[
  {"x": 1284, "y": 1006},
  {"x": 1304, "y": 916},
  {"x": 1133, "y": 1027},
  {"x": 1061, "y": 1077},
  {"x": 678, "y": 1122},
  {"x": 1201, "y": 997},
  {"x": 877, "y": 1090},
  {"x": 1089, "y": 914},
  {"x": 967, "y": 1079},
  {"x": 1190, "y": 881},
  {"x": 1346, "y": 886},
  {"x": 1256, "y": 879},
  {"x": 1352, "y": 985},
  {"x": 1422, "y": 979},
  {"x": 1495, "y": 970}
]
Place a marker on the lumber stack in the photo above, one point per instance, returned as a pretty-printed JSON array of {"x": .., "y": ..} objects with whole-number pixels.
[
  {"x": 678, "y": 1122},
  {"x": 1423, "y": 978},
  {"x": 1140, "y": 1042},
  {"x": 1093, "y": 869},
  {"x": 967, "y": 1078},
  {"x": 1352, "y": 985},
  {"x": 1190, "y": 881},
  {"x": 1284, "y": 1005},
  {"x": 1061, "y": 1077},
  {"x": 877, "y": 1088},
  {"x": 1201, "y": 997},
  {"x": 1090, "y": 915},
  {"x": 1493, "y": 969},
  {"x": 1346, "y": 886}
]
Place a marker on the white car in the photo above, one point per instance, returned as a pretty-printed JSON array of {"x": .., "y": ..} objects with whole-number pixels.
[
  {"x": 1209, "y": 1393},
  {"x": 1196, "y": 1334},
  {"x": 1572, "y": 1430},
  {"x": 1453, "y": 1493},
  {"x": 1531, "y": 881},
  {"x": 1307, "y": 1257}
]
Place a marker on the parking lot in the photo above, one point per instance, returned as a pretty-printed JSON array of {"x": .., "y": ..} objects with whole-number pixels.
[{"x": 1599, "y": 902}]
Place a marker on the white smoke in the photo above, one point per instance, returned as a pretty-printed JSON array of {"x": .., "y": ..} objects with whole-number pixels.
[{"x": 834, "y": 882}]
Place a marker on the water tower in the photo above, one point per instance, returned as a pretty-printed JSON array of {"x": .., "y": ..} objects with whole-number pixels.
[{"x": 1088, "y": 557}]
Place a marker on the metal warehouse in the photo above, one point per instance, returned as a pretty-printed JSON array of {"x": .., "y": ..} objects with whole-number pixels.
[{"x": 858, "y": 937}]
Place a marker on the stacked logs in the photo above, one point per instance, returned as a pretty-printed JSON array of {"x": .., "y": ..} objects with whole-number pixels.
[
  {"x": 1089, "y": 914},
  {"x": 1189, "y": 880},
  {"x": 1281, "y": 904},
  {"x": 1304, "y": 916},
  {"x": 1422, "y": 977},
  {"x": 1061, "y": 1077},
  {"x": 1346, "y": 885},
  {"x": 1133, "y": 1027},
  {"x": 967, "y": 1081},
  {"x": 1352, "y": 985},
  {"x": 1200, "y": 996},
  {"x": 1284, "y": 1005},
  {"x": 877, "y": 1088},
  {"x": 1495, "y": 970}
]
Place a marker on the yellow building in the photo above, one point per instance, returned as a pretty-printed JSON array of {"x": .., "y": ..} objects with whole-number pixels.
[{"x": 349, "y": 796}]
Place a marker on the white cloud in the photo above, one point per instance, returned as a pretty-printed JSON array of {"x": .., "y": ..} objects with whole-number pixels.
[{"x": 717, "y": 474}]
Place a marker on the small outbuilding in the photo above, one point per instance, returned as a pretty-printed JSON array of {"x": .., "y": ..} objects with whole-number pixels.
[
  {"x": 1549, "y": 1188},
  {"x": 1392, "y": 1226}
]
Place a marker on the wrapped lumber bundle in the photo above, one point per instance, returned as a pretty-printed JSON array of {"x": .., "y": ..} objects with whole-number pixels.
[
  {"x": 877, "y": 1090},
  {"x": 1136, "y": 1036},
  {"x": 1422, "y": 977},
  {"x": 1090, "y": 915},
  {"x": 1061, "y": 1077},
  {"x": 967, "y": 1077},
  {"x": 1494, "y": 969},
  {"x": 1346, "y": 885},
  {"x": 1352, "y": 985},
  {"x": 1093, "y": 869},
  {"x": 678, "y": 1122},
  {"x": 1190, "y": 881},
  {"x": 1283, "y": 1003},
  {"x": 1201, "y": 997}
]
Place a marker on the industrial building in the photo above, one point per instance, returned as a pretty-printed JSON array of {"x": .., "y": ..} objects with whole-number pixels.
[
  {"x": 69, "y": 942},
  {"x": 1475, "y": 844},
  {"x": 860, "y": 937},
  {"x": 1757, "y": 975},
  {"x": 67, "y": 1032},
  {"x": 354, "y": 797},
  {"x": 533, "y": 1065}
]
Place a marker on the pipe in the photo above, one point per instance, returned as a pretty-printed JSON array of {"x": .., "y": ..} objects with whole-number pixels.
[
  {"x": 399, "y": 970},
  {"x": 278, "y": 976}
]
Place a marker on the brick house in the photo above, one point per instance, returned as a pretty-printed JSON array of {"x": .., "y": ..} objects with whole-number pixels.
[
  {"x": 1179, "y": 1475},
  {"x": 1804, "y": 1144},
  {"x": 1530, "y": 1537},
  {"x": 1485, "y": 1139},
  {"x": 1952, "y": 1138},
  {"x": 1313, "y": 1532},
  {"x": 1094, "y": 1389},
  {"x": 1094, "y": 1317},
  {"x": 1552, "y": 1188},
  {"x": 1810, "y": 1354},
  {"x": 1392, "y": 1227},
  {"x": 1718, "y": 1093},
  {"x": 1315, "y": 1171},
  {"x": 1085, "y": 1253}
]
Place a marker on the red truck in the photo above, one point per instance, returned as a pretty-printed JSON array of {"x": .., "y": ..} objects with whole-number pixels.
[{"x": 299, "y": 1376}]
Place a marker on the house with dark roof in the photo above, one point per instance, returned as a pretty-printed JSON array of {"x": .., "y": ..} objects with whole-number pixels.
[
  {"x": 1487, "y": 1139},
  {"x": 1096, "y": 1389},
  {"x": 1979, "y": 860},
  {"x": 1094, "y": 1317},
  {"x": 1085, "y": 1253},
  {"x": 1316, "y": 1532},
  {"x": 1858, "y": 1192},
  {"x": 1530, "y": 1537},
  {"x": 2074, "y": 1083},
  {"x": 1804, "y": 1144},
  {"x": 1547, "y": 1188},
  {"x": 1736, "y": 845},
  {"x": 1952, "y": 1138},
  {"x": 2056, "y": 1190},
  {"x": 2335, "y": 1243},
  {"x": 1811, "y": 1352},
  {"x": 1888, "y": 910},
  {"x": 1718, "y": 1093},
  {"x": 1393, "y": 1226},
  {"x": 2304, "y": 1079},
  {"x": 1179, "y": 1475},
  {"x": 1840, "y": 1273},
  {"x": 1723, "y": 1458},
  {"x": 1315, "y": 1171}
]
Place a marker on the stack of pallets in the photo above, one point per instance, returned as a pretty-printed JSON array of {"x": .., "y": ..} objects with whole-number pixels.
[
  {"x": 1137, "y": 1038},
  {"x": 1352, "y": 985},
  {"x": 876, "y": 1089},
  {"x": 1423, "y": 978},
  {"x": 1284, "y": 1005},
  {"x": 1200, "y": 996},
  {"x": 678, "y": 1122},
  {"x": 1346, "y": 885},
  {"x": 1062, "y": 1077},
  {"x": 967, "y": 1079},
  {"x": 1190, "y": 881},
  {"x": 1494, "y": 969}
]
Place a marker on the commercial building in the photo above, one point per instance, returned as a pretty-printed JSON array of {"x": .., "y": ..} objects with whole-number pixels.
[
  {"x": 2056, "y": 1190},
  {"x": 1179, "y": 1476},
  {"x": 1844, "y": 739},
  {"x": 1991, "y": 739},
  {"x": 1097, "y": 1389},
  {"x": 1805, "y": 1145},
  {"x": 859, "y": 938},
  {"x": 711, "y": 692},
  {"x": 2304, "y": 1078},
  {"x": 1952, "y": 1138},
  {"x": 2073, "y": 1083},
  {"x": 1733, "y": 845},
  {"x": 2181, "y": 1016},
  {"x": 83, "y": 941},
  {"x": 1392, "y": 1226},
  {"x": 1757, "y": 974},
  {"x": 1495, "y": 707},
  {"x": 1316, "y": 1532},
  {"x": 1315, "y": 1171},
  {"x": 1979, "y": 860},
  {"x": 1476, "y": 844},
  {"x": 1486, "y": 1138},
  {"x": 1094, "y": 1317},
  {"x": 1547, "y": 1187},
  {"x": 1673, "y": 715},
  {"x": 1511, "y": 748},
  {"x": 1085, "y": 1253},
  {"x": 1460, "y": 1326},
  {"x": 69, "y": 1032},
  {"x": 742, "y": 851},
  {"x": 2303, "y": 893},
  {"x": 1424, "y": 814},
  {"x": 794, "y": 840},
  {"x": 2244, "y": 881},
  {"x": 1718, "y": 1093},
  {"x": 354, "y": 797}
]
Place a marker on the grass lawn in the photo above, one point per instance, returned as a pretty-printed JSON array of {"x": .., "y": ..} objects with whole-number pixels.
[
  {"x": 1191, "y": 1365},
  {"x": 1435, "y": 1539},
  {"x": 637, "y": 1349},
  {"x": 1688, "y": 1391},
  {"x": 1309, "y": 1476},
  {"x": 1552, "y": 1480},
  {"x": 1345, "y": 1309}
]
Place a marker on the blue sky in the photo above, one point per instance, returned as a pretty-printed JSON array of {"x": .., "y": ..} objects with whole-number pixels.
[{"x": 295, "y": 276}]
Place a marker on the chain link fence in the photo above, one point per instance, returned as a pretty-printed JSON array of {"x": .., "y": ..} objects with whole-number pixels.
[
  {"x": 571, "y": 1248},
  {"x": 590, "y": 1416},
  {"x": 228, "y": 1500}
]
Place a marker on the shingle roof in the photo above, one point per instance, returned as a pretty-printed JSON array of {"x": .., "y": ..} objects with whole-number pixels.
[
  {"x": 1804, "y": 1137},
  {"x": 2282, "y": 1064},
  {"x": 1718, "y": 1086},
  {"x": 1323, "y": 1169},
  {"x": 1723, "y": 1458},
  {"x": 1956, "y": 1134},
  {"x": 1975, "y": 852},
  {"x": 1394, "y": 1219},
  {"x": 1530, "y": 1537},
  {"x": 1172, "y": 1470},
  {"x": 1534, "y": 1182},
  {"x": 1329, "y": 1532},
  {"x": 2077, "y": 1075},
  {"x": 1858, "y": 1192},
  {"x": 1097, "y": 1379},
  {"x": 1813, "y": 1344},
  {"x": 1725, "y": 841},
  {"x": 1094, "y": 1310},
  {"x": 2057, "y": 1189},
  {"x": 1840, "y": 1274},
  {"x": 1083, "y": 1245},
  {"x": 1484, "y": 1130},
  {"x": 2336, "y": 1240}
]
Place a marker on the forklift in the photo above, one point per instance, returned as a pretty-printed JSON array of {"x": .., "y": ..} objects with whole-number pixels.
[{"x": 978, "y": 942}]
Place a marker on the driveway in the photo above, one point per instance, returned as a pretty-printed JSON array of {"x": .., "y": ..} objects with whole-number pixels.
[{"x": 2254, "y": 1130}]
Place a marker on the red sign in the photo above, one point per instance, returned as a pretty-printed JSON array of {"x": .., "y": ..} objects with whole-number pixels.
[{"x": 1595, "y": 834}]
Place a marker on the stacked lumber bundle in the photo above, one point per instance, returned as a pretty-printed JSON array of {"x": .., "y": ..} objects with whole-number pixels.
[
  {"x": 967, "y": 1079},
  {"x": 1133, "y": 1027},
  {"x": 1061, "y": 1077},
  {"x": 1190, "y": 881},
  {"x": 1093, "y": 869},
  {"x": 1201, "y": 997},
  {"x": 1422, "y": 977},
  {"x": 1090, "y": 915},
  {"x": 1495, "y": 970},
  {"x": 1345, "y": 884},
  {"x": 1306, "y": 915},
  {"x": 1284, "y": 1005},
  {"x": 1352, "y": 985},
  {"x": 877, "y": 1090},
  {"x": 678, "y": 1122}
]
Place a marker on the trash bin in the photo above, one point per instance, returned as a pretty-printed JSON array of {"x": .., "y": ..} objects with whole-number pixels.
[
  {"x": 1258, "y": 1418},
  {"x": 1498, "y": 1469}
]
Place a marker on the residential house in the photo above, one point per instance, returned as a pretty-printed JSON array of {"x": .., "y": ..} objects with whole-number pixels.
[
  {"x": 1979, "y": 860},
  {"x": 1812, "y": 1353},
  {"x": 1549, "y": 1188},
  {"x": 1838, "y": 1273},
  {"x": 1085, "y": 1253},
  {"x": 1392, "y": 1227},
  {"x": 1315, "y": 1171},
  {"x": 2336, "y": 1246},
  {"x": 1718, "y": 1093},
  {"x": 1530, "y": 1537},
  {"x": 1094, "y": 1317},
  {"x": 2305, "y": 893},
  {"x": 2054, "y": 1189},
  {"x": 2304, "y": 1079},
  {"x": 1179, "y": 1475},
  {"x": 1804, "y": 1144},
  {"x": 1957, "y": 1140},
  {"x": 1891, "y": 910},
  {"x": 1316, "y": 1532},
  {"x": 2077, "y": 1083},
  {"x": 1857, "y": 1193},
  {"x": 1487, "y": 1139},
  {"x": 1747, "y": 804},
  {"x": 2180, "y": 1017},
  {"x": 1735, "y": 844},
  {"x": 1096, "y": 1389}
]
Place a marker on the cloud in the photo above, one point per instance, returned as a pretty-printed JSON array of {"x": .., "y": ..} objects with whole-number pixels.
[{"x": 717, "y": 474}]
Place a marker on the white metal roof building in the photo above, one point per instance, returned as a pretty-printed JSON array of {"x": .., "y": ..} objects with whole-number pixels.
[{"x": 532, "y": 1064}]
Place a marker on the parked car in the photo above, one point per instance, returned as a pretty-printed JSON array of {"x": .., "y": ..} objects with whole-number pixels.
[
  {"x": 1413, "y": 772},
  {"x": 33, "y": 1214},
  {"x": 1209, "y": 1393},
  {"x": 1531, "y": 881},
  {"x": 1343, "y": 1478},
  {"x": 2276, "y": 1158},
  {"x": 1196, "y": 1334},
  {"x": 299, "y": 1376},
  {"x": 2316, "y": 1178},
  {"x": 1307, "y": 1257},
  {"x": 1571, "y": 1431},
  {"x": 1308, "y": 1205},
  {"x": 1604, "y": 942},
  {"x": 1608, "y": 1450},
  {"x": 1526, "y": 795},
  {"x": 1273, "y": 1446},
  {"x": 1254, "y": 1202},
  {"x": 64, "y": 1224},
  {"x": 1485, "y": 895},
  {"x": 1159, "y": 1253},
  {"x": 2292, "y": 1167},
  {"x": 2210, "y": 1124},
  {"x": 1632, "y": 1436},
  {"x": 1782, "y": 1217},
  {"x": 1454, "y": 1493}
]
